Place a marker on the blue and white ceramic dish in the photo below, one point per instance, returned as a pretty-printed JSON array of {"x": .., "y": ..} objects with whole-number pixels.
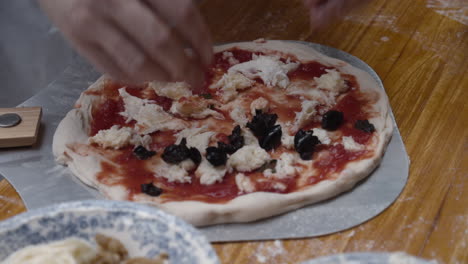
[
  {"x": 144, "y": 230},
  {"x": 370, "y": 258}
]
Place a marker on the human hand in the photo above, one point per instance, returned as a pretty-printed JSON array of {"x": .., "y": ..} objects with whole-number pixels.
[
  {"x": 136, "y": 40},
  {"x": 322, "y": 12}
]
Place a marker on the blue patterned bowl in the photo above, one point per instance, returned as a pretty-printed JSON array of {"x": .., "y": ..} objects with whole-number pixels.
[{"x": 144, "y": 230}]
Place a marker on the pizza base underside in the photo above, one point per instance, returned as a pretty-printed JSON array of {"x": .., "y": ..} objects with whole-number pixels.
[{"x": 248, "y": 207}]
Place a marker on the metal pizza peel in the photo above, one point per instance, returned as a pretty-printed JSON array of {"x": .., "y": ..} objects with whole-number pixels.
[{"x": 41, "y": 182}]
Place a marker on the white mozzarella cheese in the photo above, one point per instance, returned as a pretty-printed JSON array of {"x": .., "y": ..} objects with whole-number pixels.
[
  {"x": 271, "y": 70},
  {"x": 287, "y": 140},
  {"x": 175, "y": 172},
  {"x": 238, "y": 115},
  {"x": 209, "y": 174},
  {"x": 249, "y": 137},
  {"x": 227, "y": 55},
  {"x": 114, "y": 137},
  {"x": 351, "y": 145},
  {"x": 172, "y": 90},
  {"x": 244, "y": 184},
  {"x": 149, "y": 117},
  {"x": 279, "y": 186},
  {"x": 307, "y": 113},
  {"x": 230, "y": 84},
  {"x": 322, "y": 135},
  {"x": 304, "y": 90},
  {"x": 248, "y": 158},
  {"x": 259, "y": 104},
  {"x": 197, "y": 138},
  {"x": 331, "y": 81},
  {"x": 200, "y": 141},
  {"x": 139, "y": 140},
  {"x": 132, "y": 104},
  {"x": 195, "y": 108},
  {"x": 284, "y": 167},
  {"x": 187, "y": 165}
]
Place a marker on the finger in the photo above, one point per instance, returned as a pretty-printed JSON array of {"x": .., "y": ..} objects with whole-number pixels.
[
  {"x": 156, "y": 39},
  {"x": 188, "y": 22},
  {"x": 104, "y": 63},
  {"x": 324, "y": 11},
  {"x": 127, "y": 56},
  {"x": 86, "y": 45}
]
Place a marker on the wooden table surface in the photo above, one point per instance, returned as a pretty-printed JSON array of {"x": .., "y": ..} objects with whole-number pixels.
[{"x": 420, "y": 50}]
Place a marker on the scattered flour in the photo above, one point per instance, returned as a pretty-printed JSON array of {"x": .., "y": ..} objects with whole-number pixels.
[
  {"x": 7, "y": 199},
  {"x": 266, "y": 252},
  {"x": 384, "y": 38},
  {"x": 453, "y": 9}
]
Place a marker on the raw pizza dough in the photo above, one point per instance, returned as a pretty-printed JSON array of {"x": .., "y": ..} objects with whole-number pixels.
[{"x": 73, "y": 133}]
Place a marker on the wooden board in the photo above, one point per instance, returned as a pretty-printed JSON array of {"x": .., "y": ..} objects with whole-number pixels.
[
  {"x": 420, "y": 50},
  {"x": 25, "y": 133}
]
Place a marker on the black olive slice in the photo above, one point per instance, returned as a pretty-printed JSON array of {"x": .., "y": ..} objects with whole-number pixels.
[
  {"x": 262, "y": 123},
  {"x": 365, "y": 126},
  {"x": 304, "y": 143},
  {"x": 216, "y": 156},
  {"x": 143, "y": 154},
  {"x": 228, "y": 148},
  {"x": 272, "y": 139},
  {"x": 332, "y": 120},
  {"x": 195, "y": 155},
  {"x": 176, "y": 153},
  {"x": 151, "y": 190},
  {"x": 236, "y": 139}
]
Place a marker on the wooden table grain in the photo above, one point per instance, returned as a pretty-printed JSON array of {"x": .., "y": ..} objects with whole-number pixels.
[{"x": 420, "y": 50}]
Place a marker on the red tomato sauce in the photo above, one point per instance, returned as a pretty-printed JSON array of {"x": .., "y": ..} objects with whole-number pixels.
[
  {"x": 308, "y": 71},
  {"x": 335, "y": 161},
  {"x": 133, "y": 172},
  {"x": 220, "y": 192},
  {"x": 107, "y": 115}
]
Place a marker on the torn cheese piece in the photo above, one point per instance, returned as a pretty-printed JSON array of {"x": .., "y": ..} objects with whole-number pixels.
[
  {"x": 306, "y": 91},
  {"x": 307, "y": 113},
  {"x": 238, "y": 115},
  {"x": 259, "y": 104},
  {"x": 249, "y": 137},
  {"x": 284, "y": 167},
  {"x": 172, "y": 90},
  {"x": 271, "y": 70},
  {"x": 331, "y": 81},
  {"x": 196, "y": 138},
  {"x": 115, "y": 137},
  {"x": 244, "y": 184},
  {"x": 322, "y": 135},
  {"x": 194, "y": 107},
  {"x": 139, "y": 140},
  {"x": 227, "y": 55},
  {"x": 248, "y": 158},
  {"x": 209, "y": 174},
  {"x": 149, "y": 117},
  {"x": 175, "y": 172},
  {"x": 351, "y": 145},
  {"x": 230, "y": 84},
  {"x": 287, "y": 141}
]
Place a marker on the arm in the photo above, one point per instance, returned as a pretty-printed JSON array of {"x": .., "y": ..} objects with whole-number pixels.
[{"x": 322, "y": 12}]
